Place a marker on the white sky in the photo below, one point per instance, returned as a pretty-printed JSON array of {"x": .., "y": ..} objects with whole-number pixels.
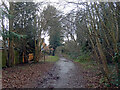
[{"x": 59, "y": 4}]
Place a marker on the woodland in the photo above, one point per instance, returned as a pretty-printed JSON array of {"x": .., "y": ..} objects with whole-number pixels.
[{"x": 90, "y": 32}]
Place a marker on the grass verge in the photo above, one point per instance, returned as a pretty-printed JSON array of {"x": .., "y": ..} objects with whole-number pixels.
[{"x": 52, "y": 58}]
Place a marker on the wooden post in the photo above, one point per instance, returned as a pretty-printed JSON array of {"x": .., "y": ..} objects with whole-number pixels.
[{"x": 23, "y": 57}]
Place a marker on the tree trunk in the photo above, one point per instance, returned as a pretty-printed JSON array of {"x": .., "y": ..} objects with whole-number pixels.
[
  {"x": 118, "y": 20},
  {"x": 11, "y": 49},
  {"x": 99, "y": 46},
  {"x": 4, "y": 53}
]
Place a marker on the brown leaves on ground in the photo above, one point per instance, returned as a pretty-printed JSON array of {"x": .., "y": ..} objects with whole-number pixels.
[
  {"x": 23, "y": 75},
  {"x": 29, "y": 75},
  {"x": 91, "y": 76}
]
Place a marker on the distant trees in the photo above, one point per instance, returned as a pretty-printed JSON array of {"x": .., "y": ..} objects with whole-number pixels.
[{"x": 52, "y": 18}]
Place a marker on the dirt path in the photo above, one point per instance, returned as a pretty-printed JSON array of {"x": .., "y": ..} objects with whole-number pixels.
[
  {"x": 64, "y": 74},
  {"x": 61, "y": 74}
]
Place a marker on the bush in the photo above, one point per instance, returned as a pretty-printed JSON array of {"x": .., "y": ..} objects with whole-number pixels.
[{"x": 83, "y": 58}]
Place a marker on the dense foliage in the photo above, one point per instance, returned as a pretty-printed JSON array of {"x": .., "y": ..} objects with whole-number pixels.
[{"x": 52, "y": 18}]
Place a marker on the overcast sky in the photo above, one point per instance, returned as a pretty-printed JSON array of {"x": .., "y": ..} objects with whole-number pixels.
[
  {"x": 62, "y": 6},
  {"x": 59, "y": 4}
]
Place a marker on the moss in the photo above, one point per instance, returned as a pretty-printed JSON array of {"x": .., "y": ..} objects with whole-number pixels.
[
  {"x": 16, "y": 57},
  {"x": 3, "y": 59},
  {"x": 0, "y": 59},
  {"x": 2, "y": 55}
]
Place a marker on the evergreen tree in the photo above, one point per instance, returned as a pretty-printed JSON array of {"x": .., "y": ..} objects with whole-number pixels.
[{"x": 52, "y": 17}]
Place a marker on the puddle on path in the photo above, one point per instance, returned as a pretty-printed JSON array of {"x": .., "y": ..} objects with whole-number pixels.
[
  {"x": 63, "y": 75},
  {"x": 64, "y": 72}
]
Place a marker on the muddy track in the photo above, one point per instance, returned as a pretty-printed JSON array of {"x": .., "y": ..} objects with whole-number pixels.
[{"x": 64, "y": 74}]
